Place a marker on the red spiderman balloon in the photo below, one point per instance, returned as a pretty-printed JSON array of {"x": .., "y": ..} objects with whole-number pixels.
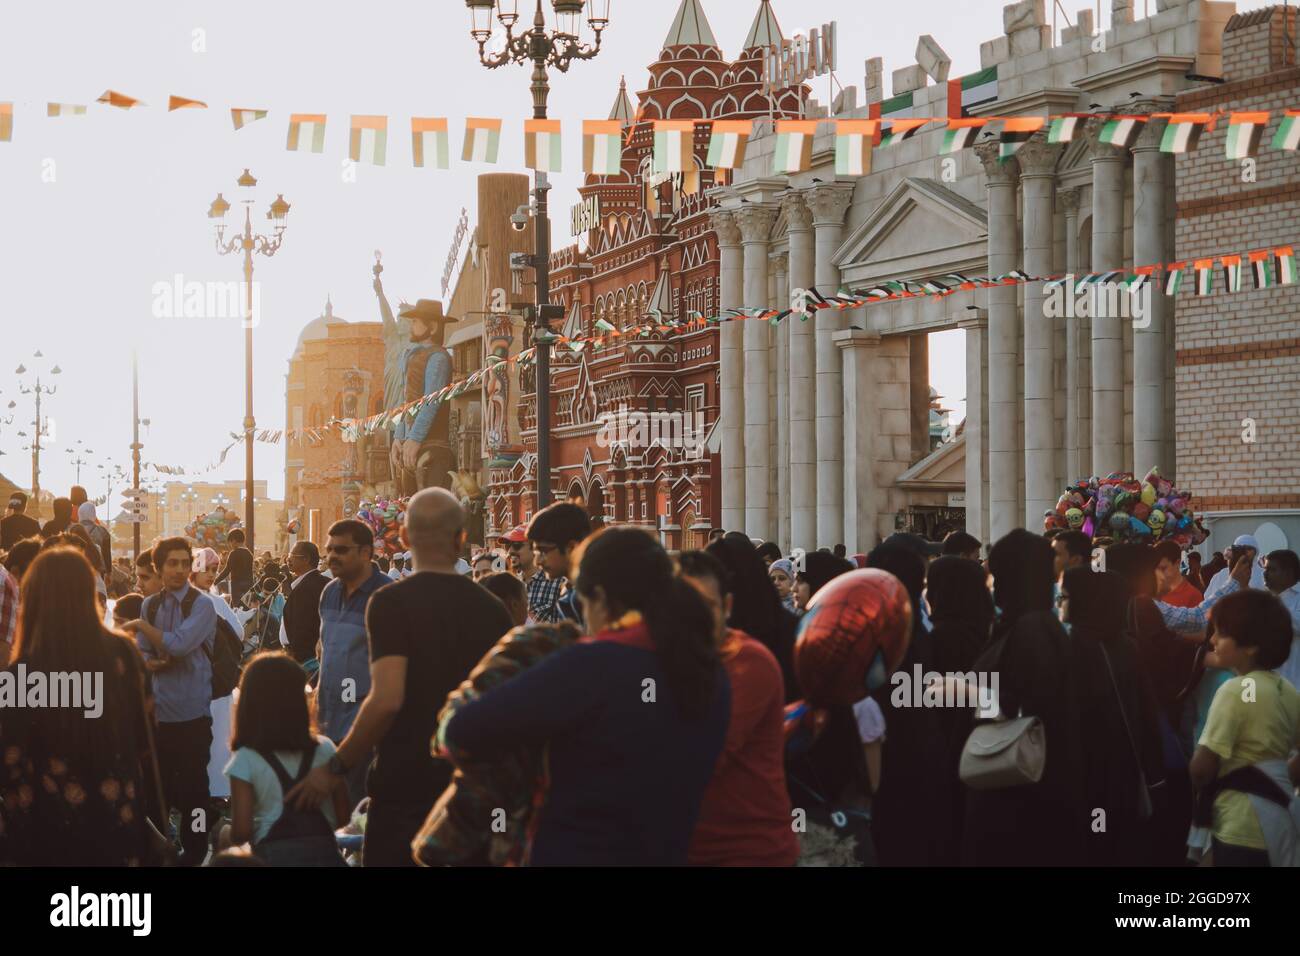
[{"x": 853, "y": 636}]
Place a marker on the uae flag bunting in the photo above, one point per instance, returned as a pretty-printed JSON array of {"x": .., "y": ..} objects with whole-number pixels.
[
  {"x": 1288, "y": 134},
  {"x": 184, "y": 103},
  {"x": 1245, "y": 130},
  {"x": 1016, "y": 132},
  {"x": 6, "y": 122},
  {"x": 900, "y": 130},
  {"x": 674, "y": 145},
  {"x": 602, "y": 147},
  {"x": 853, "y": 146},
  {"x": 960, "y": 134},
  {"x": 1286, "y": 267},
  {"x": 307, "y": 132},
  {"x": 962, "y": 282},
  {"x": 1231, "y": 273},
  {"x": 1063, "y": 129},
  {"x": 368, "y": 140},
  {"x": 604, "y": 326},
  {"x": 972, "y": 90},
  {"x": 242, "y": 117},
  {"x": 794, "y": 141},
  {"x": 1183, "y": 132},
  {"x": 1174, "y": 277},
  {"x": 120, "y": 100},
  {"x": 542, "y": 145},
  {"x": 1204, "y": 276},
  {"x": 429, "y": 142},
  {"x": 1260, "y": 268},
  {"x": 64, "y": 109},
  {"x": 1120, "y": 131},
  {"x": 482, "y": 140},
  {"x": 727, "y": 143}
]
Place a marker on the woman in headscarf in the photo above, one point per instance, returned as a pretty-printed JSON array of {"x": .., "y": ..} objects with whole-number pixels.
[
  {"x": 756, "y": 609},
  {"x": 1121, "y": 748},
  {"x": 819, "y": 567},
  {"x": 781, "y": 571},
  {"x": 1046, "y": 823}
]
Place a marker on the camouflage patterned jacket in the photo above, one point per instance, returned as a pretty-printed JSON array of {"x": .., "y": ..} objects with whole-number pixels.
[{"x": 484, "y": 815}]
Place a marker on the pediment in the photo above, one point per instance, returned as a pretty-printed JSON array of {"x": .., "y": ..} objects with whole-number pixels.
[
  {"x": 944, "y": 469},
  {"x": 920, "y": 228}
]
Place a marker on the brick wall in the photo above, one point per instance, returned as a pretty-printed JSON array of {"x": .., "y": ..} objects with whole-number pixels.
[{"x": 1238, "y": 354}]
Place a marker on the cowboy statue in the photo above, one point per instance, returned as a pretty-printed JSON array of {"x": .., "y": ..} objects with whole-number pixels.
[{"x": 421, "y": 453}]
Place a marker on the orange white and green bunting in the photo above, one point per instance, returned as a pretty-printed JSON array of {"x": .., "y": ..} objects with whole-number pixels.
[
  {"x": 1063, "y": 128},
  {"x": 306, "y": 132},
  {"x": 542, "y": 145},
  {"x": 1245, "y": 130},
  {"x": 482, "y": 140},
  {"x": 1288, "y": 133},
  {"x": 6, "y": 122},
  {"x": 184, "y": 103},
  {"x": 901, "y": 129},
  {"x": 853, "y": 146},
  {"x": 64, "y": 109},
  {"x": 1183, "y": 131},
  {"x": 960, "y": 134},
  {"x": 1121, "y": 131},
  {"x": 1016, "y": 131},
  {"x": 120, "y": 100},
  {"x": 1231, "y": 273},
  {"x": 1286, "y": 266},
  {"x": 674, "y": 146},
  {"x": 727, "y": 143},
  {"x": 602, "y": 147},
  {"x": 242, "y": 117},
  {"x": 368, "y": 140},
  {"x": 429, "y": 141},
  {"x": 794, "y": 142}
]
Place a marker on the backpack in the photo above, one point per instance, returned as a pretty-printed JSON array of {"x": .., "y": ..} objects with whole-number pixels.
[
  {"x": 227, "y": 649},
  {"x": 294, "y": 824}
]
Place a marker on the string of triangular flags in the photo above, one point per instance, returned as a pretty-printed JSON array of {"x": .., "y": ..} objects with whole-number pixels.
[
  {"x": 674, "y": 140},
  {"x": 1268, "y": 268}
]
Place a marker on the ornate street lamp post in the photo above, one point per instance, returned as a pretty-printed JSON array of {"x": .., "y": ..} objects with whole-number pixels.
[
  {"x": 249, "y": 242},
  {"x": 42, "y": 427},
  {"x": 542, "y": 47}
]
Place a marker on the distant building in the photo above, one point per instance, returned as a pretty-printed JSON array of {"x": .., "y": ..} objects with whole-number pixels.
[{"x": 336, "y": 371}]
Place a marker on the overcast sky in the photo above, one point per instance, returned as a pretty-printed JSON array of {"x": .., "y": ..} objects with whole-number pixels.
[{"x": 126, "y": 208}]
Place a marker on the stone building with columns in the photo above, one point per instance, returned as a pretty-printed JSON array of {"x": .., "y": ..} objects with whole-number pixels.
[{"x": 823, "y": 423}]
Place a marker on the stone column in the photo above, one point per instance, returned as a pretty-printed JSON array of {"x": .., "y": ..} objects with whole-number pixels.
[
  {"x": 975, "y": 432},
  {"x": 781, "y": 338},
  {"x": 863, "y": 500},
  {"x": 1069, "y": 199},
  {"x": 731, "y": 367},
  {"x": 755, "y": 223},
  {"x": 1152, "y": 171},
  {"x": 1107, "y": 341},
  {"x": 829, "y": 203},
  {"x": 1004, "y": 445},
  {"x": 1038, "y": 178},
  {"x": 802, "y": 385}
]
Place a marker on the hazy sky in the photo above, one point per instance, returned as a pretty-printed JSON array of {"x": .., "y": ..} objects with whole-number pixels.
[{"x": 80, "y": 255}]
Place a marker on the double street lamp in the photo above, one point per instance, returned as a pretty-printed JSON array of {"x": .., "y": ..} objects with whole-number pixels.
[
  {"x": 41, "y": 425},
  {"x": 249, "y": 242},
  {"x": 557, "y": 47}
]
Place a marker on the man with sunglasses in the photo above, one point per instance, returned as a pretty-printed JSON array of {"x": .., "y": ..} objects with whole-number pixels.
[
  {"x": 344, "y": 652},
  {"x": 542, "y": 592}
]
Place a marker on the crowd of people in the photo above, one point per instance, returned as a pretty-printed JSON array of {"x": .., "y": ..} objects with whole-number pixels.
[{"x": 580, "y": 695}]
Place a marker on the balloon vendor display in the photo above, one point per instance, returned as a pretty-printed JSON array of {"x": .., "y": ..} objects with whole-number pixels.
[
  {"x": 385, "y": 516},
  {"x": 1119, "y": 507},
  {"x": 211, "y": 530}
]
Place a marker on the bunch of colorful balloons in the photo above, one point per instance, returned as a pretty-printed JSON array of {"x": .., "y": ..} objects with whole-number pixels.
[
  {"x": 210, "y": 530},
  {"x": 385, "y": 516},
  {"x": 1119, "y": 507}
]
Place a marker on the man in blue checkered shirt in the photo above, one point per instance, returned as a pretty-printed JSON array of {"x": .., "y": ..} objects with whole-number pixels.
[
  {"x": 553, "y": 535},
  {"x": 1194, "y": 620}
]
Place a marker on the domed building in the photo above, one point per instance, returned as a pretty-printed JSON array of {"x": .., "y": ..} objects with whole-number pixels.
[{"x": 336, "y": 371}]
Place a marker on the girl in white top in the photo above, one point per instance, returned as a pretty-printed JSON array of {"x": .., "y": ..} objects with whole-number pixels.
[{"x": 273, "y": 719}]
